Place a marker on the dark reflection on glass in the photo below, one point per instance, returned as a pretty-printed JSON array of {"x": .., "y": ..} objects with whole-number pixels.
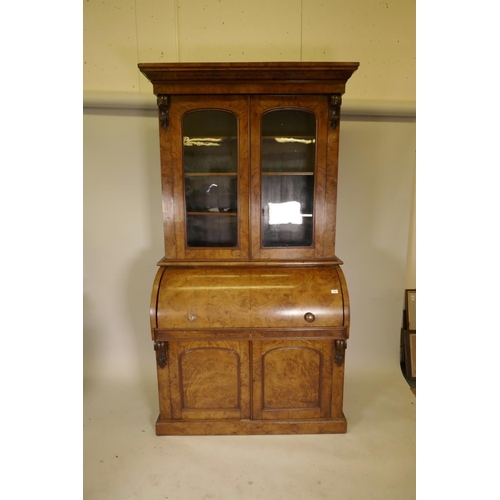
[
  {"x": 209, "y": 139},
  {"x": 210, "y": 155},
  {"x": 211, "y": 194},
  {"x": 212, "y": 231},
  {"x": 288, "y": 141},
  {"x": 288, "y": 166}
]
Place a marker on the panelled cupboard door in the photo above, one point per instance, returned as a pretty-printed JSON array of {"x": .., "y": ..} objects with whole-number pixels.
[
  {"x": 205, "y": 156},
  {"x": 209, "y": 379},
  {"x": 289, "y": 189},
  {"x": 292, "y": 379}
]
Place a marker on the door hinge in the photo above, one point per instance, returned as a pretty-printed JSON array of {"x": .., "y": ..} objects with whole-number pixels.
[{"x": 161, "y": 349}]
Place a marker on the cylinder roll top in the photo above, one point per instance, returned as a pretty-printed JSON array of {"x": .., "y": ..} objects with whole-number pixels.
[{"x": 263, "y": 297}]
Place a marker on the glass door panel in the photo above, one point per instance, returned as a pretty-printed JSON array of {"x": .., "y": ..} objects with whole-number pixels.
[
  {"x": 210, "y": 158},
  {"x": 288, "y": 152}
]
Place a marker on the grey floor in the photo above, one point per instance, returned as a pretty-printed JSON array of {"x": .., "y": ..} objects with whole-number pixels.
[{"x": 124, "y": 459}]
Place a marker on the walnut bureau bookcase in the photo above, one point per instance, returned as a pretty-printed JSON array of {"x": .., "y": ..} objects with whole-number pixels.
[{"x": 249, "y": 308}]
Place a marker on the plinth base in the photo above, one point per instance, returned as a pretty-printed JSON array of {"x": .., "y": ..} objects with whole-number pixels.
[{"x": 219, "y": 427}]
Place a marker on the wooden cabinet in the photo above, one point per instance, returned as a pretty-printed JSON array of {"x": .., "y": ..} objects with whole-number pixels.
[{"x": 250, "y": 309}]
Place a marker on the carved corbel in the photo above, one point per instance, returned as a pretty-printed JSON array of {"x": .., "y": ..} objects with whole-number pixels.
[
  {"x": 163, "y": 105},
  {"x": 340, "y": 347},
  {"x": 161, "y": 349},
  {"x": 335, "y": 103}
]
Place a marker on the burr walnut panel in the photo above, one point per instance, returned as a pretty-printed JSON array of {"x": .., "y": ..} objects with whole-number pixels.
[
  {"x": 267, "y": 297},
  {"x": 209, "y": 379},
  {"x": 292, "y": 379}
]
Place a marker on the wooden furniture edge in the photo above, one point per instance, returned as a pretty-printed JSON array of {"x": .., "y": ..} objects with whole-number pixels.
[
  {"x": 249, "y": 334},
  {"x": 154, "y": 301},
  {"x": 345, "y": 297},
  {"x": 238, "y": 263},
  {"x": 246, "y": 427}
]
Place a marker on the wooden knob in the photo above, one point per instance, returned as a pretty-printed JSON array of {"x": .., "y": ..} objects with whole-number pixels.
[{"x": 309, "y": 317}]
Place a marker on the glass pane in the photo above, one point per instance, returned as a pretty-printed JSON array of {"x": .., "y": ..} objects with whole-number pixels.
[
  {"x": 288, "y": 141},
  {"x": 210, "y": 193},
  {"x": 288, "y": 166},
  {"x": 287, "y": 208},
  {"x": 209, "y": 138},
  {"x": 212, "y": 231},
  {"x": 211, "y": 178}
]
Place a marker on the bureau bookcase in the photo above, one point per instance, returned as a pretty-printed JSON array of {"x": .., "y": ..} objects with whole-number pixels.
[{"x": 249, "y": 308}]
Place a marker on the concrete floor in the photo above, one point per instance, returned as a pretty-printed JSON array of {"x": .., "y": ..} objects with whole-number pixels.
[{"x": 124, "y": 459}]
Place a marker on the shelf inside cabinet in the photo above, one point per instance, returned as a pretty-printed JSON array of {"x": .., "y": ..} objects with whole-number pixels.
[
  {"x": 286, "y": 173},
  {"x": 290, "y": 139},
  {"x": 211, "y": 141},
  {"x": 225, "y": 214},
  {"x": 212, "y": 174}
]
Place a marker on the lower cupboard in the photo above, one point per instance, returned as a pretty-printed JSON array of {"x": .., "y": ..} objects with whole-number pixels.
[
  {"x": 272, "y": 385},
  {"x": 250, "y": 350}
]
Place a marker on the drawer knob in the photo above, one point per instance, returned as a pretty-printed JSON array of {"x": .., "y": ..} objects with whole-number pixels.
[
  {"x": 309, "y": 317},
  {"x": 192, "y": 317}
]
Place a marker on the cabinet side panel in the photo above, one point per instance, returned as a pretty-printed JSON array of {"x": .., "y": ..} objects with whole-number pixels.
[
  {"x": 164, "y": 393},
  {"x": 338, "y": 391},
  {"x": 168, "y": 141},
  {"x": 321, "y": 193},
  {"x": 331, "y": 189},
  {"x": 174, "y": 380}
]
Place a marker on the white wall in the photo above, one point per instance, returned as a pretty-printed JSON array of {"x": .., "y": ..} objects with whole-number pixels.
[
  {"x": 380, "y": 35},
  {"x": 122, "y": 197}
]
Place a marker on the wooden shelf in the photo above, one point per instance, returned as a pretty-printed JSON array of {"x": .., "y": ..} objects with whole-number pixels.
[
  {"x": 230, "y": 214},
  {"x": 287, "y": 173},
  {"x": 311, "y": 138},
  {"x": 212, "y": 174}
]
